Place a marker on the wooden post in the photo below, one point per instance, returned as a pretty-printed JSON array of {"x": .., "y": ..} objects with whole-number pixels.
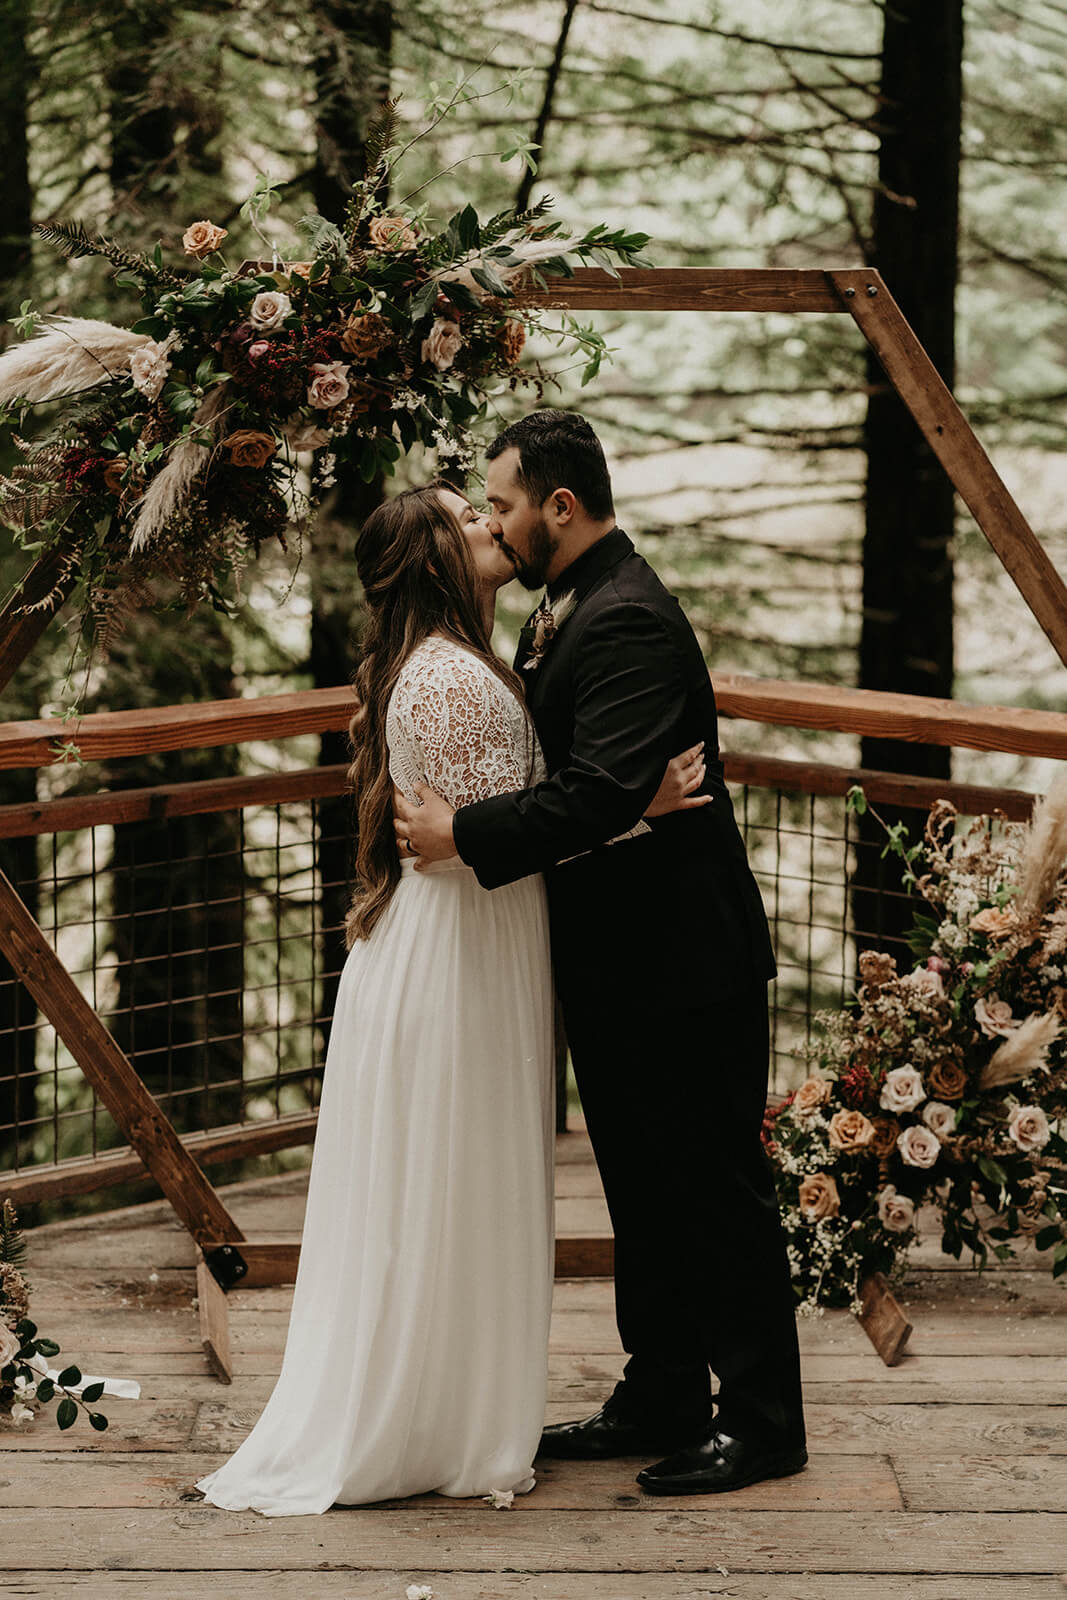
[
  {"x": 150, "y": 1133},
  {"x": 952, "y": 440}
]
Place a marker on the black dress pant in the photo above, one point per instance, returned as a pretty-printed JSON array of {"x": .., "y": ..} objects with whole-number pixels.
[{"x": 674, "y": 1102}]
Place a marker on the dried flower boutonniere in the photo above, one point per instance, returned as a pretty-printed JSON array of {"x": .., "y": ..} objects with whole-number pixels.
[{"x": 546, "y": 623}]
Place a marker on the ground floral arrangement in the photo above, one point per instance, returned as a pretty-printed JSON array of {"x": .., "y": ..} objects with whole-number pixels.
[
  {"x": 23, "y": 1389},
  {"x": 946, "y": 1085},
  {"x": 216, "y": 422}
]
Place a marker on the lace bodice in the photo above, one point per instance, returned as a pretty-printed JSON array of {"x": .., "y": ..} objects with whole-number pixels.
[{"x": 453, "y": 724}]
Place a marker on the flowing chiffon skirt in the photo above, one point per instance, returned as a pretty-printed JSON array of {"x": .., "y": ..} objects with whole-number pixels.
[{"x": 416, "y": 1357}]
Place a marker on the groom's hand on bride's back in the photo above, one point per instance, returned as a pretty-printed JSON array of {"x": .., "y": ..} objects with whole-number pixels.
[
  {"x": 683, "y": 777},
  {"x": 423, "y": 829}
]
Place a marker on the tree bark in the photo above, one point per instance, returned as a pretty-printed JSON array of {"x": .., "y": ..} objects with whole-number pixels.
[
  {"x": 18, "y": 857},
  {"x": 178, "y": 928},
  {"x": 906, "y": 641},
  {"x": 544, "y": 116},
  {"x": 352, "y": 81}
]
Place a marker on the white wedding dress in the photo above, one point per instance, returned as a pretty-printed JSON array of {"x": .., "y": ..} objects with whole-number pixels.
[{"x": 417, "y": 1348}]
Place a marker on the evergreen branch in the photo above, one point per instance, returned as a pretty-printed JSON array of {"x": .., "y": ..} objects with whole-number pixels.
[{"x": 72, "y": 240}]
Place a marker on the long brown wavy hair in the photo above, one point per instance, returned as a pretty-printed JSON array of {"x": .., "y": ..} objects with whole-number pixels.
[{"x": 418, "y": 578}]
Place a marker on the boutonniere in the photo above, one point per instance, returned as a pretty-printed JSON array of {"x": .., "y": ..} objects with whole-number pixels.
[{"x": 545, "y": 624}]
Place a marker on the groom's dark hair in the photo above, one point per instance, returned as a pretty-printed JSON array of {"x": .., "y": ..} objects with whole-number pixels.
[{"x": 558, "y": 450}]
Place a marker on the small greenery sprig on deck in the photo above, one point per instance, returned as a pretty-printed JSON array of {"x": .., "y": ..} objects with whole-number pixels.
[
  {"x": 20, "y": 1385},
  {"x": 216, "y": 422},
  {"x": 945, "y": 1086}
]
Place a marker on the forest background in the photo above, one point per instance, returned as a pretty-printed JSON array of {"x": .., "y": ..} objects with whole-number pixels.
[{"x": 760, "y": 461}]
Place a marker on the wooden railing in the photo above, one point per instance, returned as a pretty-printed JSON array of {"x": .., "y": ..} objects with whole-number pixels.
[{"x": 114, "y": 735}]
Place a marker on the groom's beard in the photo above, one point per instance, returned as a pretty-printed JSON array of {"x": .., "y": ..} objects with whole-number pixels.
[{"x": 532, "y": 571}]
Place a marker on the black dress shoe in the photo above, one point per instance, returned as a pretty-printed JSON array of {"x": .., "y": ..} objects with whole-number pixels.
[
  {"x": 607, "y": 1434},
  {"x": 719, "y": 1463}
]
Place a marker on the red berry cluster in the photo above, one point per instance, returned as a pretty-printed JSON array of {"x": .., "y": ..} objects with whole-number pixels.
[
  {"x": 83, "y": 469},
  {"x": 856, "y": 1086}
]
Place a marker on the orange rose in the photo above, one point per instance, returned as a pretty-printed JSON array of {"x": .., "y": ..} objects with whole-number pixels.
[
  {"x": 113, "y": 474},
  {"x": 946, "y": 1080},
  {"x": 998, "y": 923},
  {"x": 850, "y": 1131},
  {"x": 884, "y": 1135},
  {"x": 392, "y": 234},
  {"x": 366, "y": 336},
  {"x": 246, "y": 448},
  {"x": 202, "y": 239},
  {"x": 812, "y": 1094},
  {"x": 818, "y": 1197}
]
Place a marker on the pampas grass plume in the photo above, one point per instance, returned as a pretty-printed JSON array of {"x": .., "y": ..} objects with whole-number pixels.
[
  {"x": 71, "y": 354},
  {"x": 187, "y": 460},
  {"x": 1044, "y": 851},
  {"x": 1023, "y": 1052}
]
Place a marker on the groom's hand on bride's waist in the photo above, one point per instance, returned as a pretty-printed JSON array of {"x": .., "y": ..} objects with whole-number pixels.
[{"x": 423, "y": 829}]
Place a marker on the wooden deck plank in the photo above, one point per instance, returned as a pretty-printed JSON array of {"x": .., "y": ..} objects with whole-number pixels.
[
  {"x": 942, "y": 1479},
  {"x": 473, "y": 1538},
  {"x": 995, "y": 1482},
  {"x": 390, "y": 1585},
  {"x": 159, "y": 1479}
]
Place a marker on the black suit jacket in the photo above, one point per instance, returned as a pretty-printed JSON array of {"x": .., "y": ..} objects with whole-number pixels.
[{"x": 674, "y": 913}]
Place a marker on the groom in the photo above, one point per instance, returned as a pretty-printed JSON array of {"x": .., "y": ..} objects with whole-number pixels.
[{"x": 662, "y": 957}]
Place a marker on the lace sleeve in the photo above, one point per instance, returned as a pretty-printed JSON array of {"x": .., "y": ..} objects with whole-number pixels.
[{"x": 455, "y": 726}]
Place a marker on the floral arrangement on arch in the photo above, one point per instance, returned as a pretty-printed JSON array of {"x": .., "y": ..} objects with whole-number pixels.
[
  {"x": 946, "y": 1085},
  {"x": 217, "y": 420}
]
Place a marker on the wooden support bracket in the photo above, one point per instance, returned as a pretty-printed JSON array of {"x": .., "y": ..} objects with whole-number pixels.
[
  {"x": 882, "y": 1320},
  {"x": 953, "y": 441},
  {"x": 214, "y": 1316}
]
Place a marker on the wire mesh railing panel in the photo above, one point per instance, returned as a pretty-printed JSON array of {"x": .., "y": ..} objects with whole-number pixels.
[
  {"x": 206, "y": 944},
  {"x": 211, "y": 946}
]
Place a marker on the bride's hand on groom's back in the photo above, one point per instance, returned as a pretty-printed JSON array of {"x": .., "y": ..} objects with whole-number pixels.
[{"x": 683, "y": 777}]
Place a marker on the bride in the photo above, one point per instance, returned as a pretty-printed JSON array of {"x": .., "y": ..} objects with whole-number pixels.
[{"x": 416, "y": 1356}]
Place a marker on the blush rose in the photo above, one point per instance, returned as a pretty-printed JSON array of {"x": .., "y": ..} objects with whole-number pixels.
[{"x": 902, "y": 1090}]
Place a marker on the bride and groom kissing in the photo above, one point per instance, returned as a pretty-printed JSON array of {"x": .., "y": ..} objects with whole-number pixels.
[{"x": 521, "y": 832}]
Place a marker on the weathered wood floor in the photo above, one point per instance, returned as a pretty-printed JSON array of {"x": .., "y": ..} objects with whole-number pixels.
[{"x": 942, "y": 1479}]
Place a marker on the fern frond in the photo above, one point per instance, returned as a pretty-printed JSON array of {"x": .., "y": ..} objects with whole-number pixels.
[
  {"x": 12, "y": 1244},
  {"x": 73, "y": 241},
  {"x": 380, "y": 133},
  {"x": 504, "y": 221}
]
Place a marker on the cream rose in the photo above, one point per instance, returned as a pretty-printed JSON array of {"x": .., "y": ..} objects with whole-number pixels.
[
  {"x": 149, "y": 366},
  {"x": 818, "y": 1197},
  {"x": 994, "y": 1017},
  {"x": 10, "y": 1345},
  {"x": 813, "y": 1093},
  {"x": 896, "y": 1212},
  {"x": 939, "y": 1118},
  {"x": 918, "y": 1146},
  {"x": 902, "y": 1090},
  {"x": 850, "y": 1131},
  {"x": 1028, "y": 1126},
  {"x": 925, "y": 981},
  {"x": 391, "y": 233},
  {"x": 202, "y": 238},
  {"x": 443, "y": 344},
  {"x": 269, "y": 310},
  {"x": 330, "y": 384},
  {"x": 994, "y": 920},
  {"x": 306, "y": 436}
]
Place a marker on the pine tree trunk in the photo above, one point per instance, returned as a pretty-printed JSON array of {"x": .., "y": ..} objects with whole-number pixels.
[
  {"x": 18, "y": 857},
  {"x": 178, "y": 887},
  {"x": 352, "y": 81},
  {"x": 906, "y": 641}
]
